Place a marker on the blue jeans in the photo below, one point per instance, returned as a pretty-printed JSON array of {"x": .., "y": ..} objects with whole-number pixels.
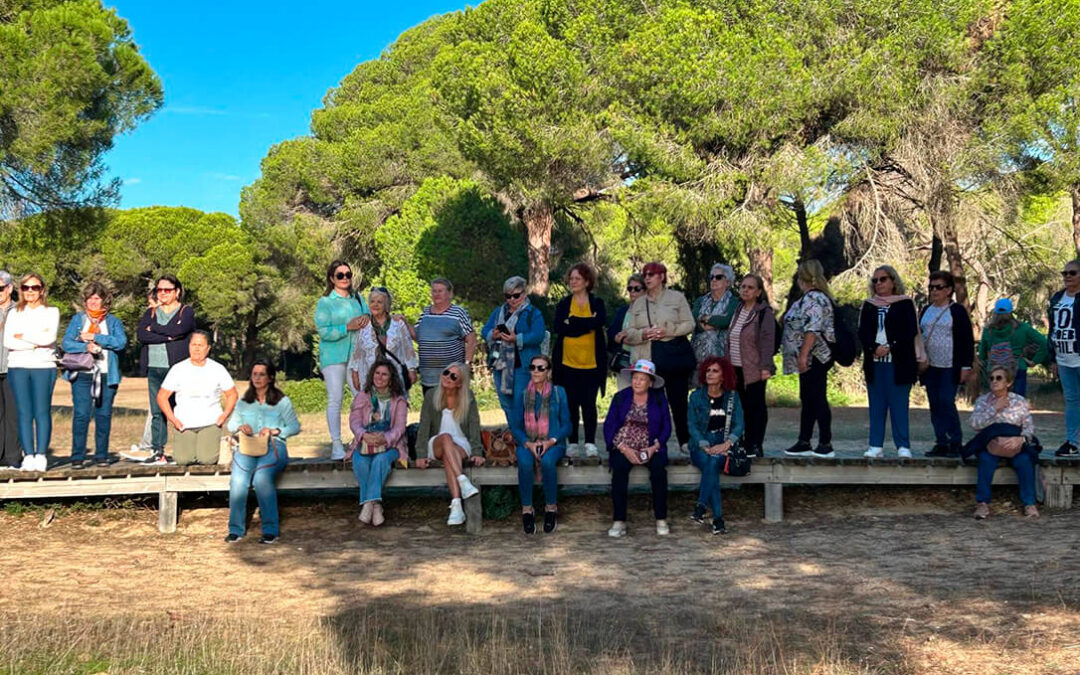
[
  {"x": 888, "y": 399},
  {"x": 33, "y": 388},
  {"x": 83, "y": 404},
  {"x": 259, "y": 473},
  {"x": 506, "y": 401},
  {"x": 371, "y": 472},
  {"x": 1020, "y": 382},
  {"x": 941, "y": 394},
  {"x": 159, "y": 429},
  {"x": 1070, "y": 385},
  {"x": 1024, "y": 466},
  {"x": 549, "y": 471},
  {"x": 709, "y": 489}
]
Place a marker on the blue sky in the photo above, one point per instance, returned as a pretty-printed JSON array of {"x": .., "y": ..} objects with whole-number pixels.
[{"x": 240, "y": 76}]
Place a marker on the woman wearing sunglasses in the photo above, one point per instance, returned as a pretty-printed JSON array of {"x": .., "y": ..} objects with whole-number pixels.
[
  {"x": 887, "y": 328},
  {"x": 339, "y": 313},
  {"x": 541, "y": 423},
  {"x": 30, "y": 338},
  {"x": 1003, "y": 420},
  {"x": 1064, "y": 348},
  {"x": 450, "y": 432},
  {"x": 713, "y": 313},
  {"x": 163, "y": 332},
  {"x": 513, "y": 333},
  {"x": 618, "y": 349},
  {"x": 949, "y": 339}
]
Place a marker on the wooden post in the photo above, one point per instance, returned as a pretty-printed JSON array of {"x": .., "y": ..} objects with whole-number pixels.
[
  {"x": 1059, "y": 496},
  {"x": 774, "y": 502},
  {"x": 167, "y": 510},
  {"x": 474, "y": 513}
]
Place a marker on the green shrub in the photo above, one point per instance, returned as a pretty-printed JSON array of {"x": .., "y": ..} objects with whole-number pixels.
[{"x": 309, "y": 396}]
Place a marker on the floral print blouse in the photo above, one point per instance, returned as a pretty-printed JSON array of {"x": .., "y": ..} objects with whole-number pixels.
[{"x": 812, "y": 313}]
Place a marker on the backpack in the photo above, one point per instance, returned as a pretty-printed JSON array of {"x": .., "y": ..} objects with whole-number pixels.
[
  {"x": 845, "y": 349},
  {"x": 1000, "y": 354}
]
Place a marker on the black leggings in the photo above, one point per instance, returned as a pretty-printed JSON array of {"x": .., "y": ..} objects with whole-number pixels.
[
  {"x": 677, "y": 390},
  {"x": 815, "y": 403},
  {"x": 582, "y": 388},
  {"x": 755, "y": 412},
  {"x": 620, "y": 482}
]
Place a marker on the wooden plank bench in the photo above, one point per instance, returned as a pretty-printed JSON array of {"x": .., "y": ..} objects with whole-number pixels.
[{"x": 774, "y": 473}]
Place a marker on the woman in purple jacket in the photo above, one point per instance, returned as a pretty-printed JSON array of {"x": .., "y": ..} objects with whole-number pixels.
[{"x": 636, "y": 431}]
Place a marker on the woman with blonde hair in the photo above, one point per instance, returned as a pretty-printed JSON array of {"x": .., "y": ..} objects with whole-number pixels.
[
  {"x": 450, "y": 432},
  {"x": 809, "y": 327}
]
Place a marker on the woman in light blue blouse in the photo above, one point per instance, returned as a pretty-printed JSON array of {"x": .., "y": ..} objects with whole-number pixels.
[
  {"x": 338, "y": 315},
  {"x": 264, "y": 412}
]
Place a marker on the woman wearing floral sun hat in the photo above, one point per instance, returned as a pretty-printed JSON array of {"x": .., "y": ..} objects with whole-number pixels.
[{"x": 636, "y": 431}]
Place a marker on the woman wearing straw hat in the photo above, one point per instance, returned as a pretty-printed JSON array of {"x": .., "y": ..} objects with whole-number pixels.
[{"x": 636, "y": 431}]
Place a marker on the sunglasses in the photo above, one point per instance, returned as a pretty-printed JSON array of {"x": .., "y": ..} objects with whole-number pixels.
[
  {"x": 451, "y": 374},
  {"x": 162, "y": 289},
  {"x": 342, "y": 275},
  {"x": 381, "y": 289},
  {"x": 712, "y": 370},
  {"x": 881, "y": 280},
  {"x": 938, "y": 287},
  {"x": 538, "y": 367},
  {"x": 634, "y": 289},
  {"x": 998, "y": 378},
  {"x": 1069, "y": 273},
  {"x": 31, "y": 287},
  {"x": 717, "y": 277},
  {"x": 513, "y": 296},
  {"x": 650, "y": 274}
]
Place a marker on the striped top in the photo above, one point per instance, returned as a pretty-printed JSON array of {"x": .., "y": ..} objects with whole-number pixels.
[
  {"x": 441, "y": 341},
  {"x": 735, "y": 339}
]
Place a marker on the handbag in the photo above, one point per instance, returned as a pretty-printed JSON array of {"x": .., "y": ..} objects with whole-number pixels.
[
  {"x": 77, "y": 362},
  {"x": 675, "y": 354},
  {"x": 253, "y": 446},
  {"x": 619, "y": 359},
  {"x": 736, "y": 463}
]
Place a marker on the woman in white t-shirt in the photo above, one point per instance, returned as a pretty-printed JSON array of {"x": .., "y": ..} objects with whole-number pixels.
[{"x": 199, "y": 383}]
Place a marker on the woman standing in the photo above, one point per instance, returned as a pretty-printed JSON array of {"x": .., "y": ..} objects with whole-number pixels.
[
  {"x": 579, "y": 352},
  {"x": 1003, "y": 420},
  {"x": 377, "y": 419},
  {"x": 618, "y": 348},
  {"x": 266, "y": 414},
  {"x": 636, "y": 430},
  {"x": 383, "y": 338},
  {"x": 950, "y": 349},
  {"x": 750, "y": 349},
  {"x": 97, "y": 332},
  {"x": 30, "y": 338},
  {"x": 513, "y": 333},
  {"x": 809, "y": 327},
  {"x": 716, "y": 424},
  {"x": 10, "y": 450},
  {"x": 199, "y": 382},
  {"x": 1007, "y": 341},
  {"x": 338, "y": 315},
  {"x": 450, "y": 430},
  {"x": 713, "y": 313},
  {"x": 660, "y": 320},
  {"x": 541, "y": 423},
  {"x": 887, "y": 330},
  {"x": 1064, "y": 347},
  {"x": 164, "y": 329}
]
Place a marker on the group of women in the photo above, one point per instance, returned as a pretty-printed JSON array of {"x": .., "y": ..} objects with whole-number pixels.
[{"x": 658, "y": 345}]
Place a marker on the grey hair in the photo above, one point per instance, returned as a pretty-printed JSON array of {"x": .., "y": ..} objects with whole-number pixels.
[
  {"x": 444, "y": 282},
  {"x": 729, "y": 273},
  {"x": 514, "y": 283},
  {"x": 385, "y": 292}
]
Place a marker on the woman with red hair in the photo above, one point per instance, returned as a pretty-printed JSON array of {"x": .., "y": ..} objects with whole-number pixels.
[{"x": 716, "y": 425}]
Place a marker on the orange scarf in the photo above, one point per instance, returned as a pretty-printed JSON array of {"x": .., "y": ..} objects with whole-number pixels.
[{"x": 95, "y": 319}]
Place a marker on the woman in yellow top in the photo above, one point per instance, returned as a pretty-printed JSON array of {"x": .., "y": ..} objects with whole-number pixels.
[
  {"x": 579, "y": 353},
  {"x": 660, "y": 320}
]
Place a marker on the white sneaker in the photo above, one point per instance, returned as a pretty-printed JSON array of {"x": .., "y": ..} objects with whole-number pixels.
[
  {"x": 365, "y": 512},
  {"x": 590, "y": 450},
  {"x": 467, "y": 488},
  {"x": 684, "y": 449},
  {"x": 662, "y": 528},
  {"x": 573, "y": 449},
  {"x": 377, "y": 517},
  {"x": 28, "y": 463},
  {"x": 42, "y": 462},
  {"x": 337, "y": 451},
  {"x": 905, "y": 453},
  {"x": 618, "y": 529},
  {"x": 873, "y": 453},
  {"x": 457, "y": 514}
]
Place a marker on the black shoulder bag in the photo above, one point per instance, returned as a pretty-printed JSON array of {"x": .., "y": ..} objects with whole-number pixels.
[{"x": 736, "y": 463}]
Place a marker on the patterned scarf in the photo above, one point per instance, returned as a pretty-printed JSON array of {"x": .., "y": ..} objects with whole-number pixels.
[
  {"x": 536, "y": 421},
  {"x": 507, "y": 353}
]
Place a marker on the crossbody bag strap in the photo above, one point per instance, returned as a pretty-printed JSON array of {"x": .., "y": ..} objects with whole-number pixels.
[
  {"x": 933, "y": 325},
  {"x": 727, "y": 417}
]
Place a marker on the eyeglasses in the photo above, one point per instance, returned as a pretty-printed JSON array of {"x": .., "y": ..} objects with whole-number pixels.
[
  {"x": 634, "y": 289},
  {"x": 163, "y": 289},
  {"x": 997, "y": 378},
  {"x": 538, "y": 367},
  {"x": 650, "y": 274},
  {"x": 881, "y": 280},
  {"x": 938, "y": 287},
  {"x": 1069, "y": 273},
  {"x": 31, "y": 288},
  {"x": 451, "y": 374},
  {"x": 513, "y": 296},
  {"x": 342, "y": 275},
  {"x": 717, "y": 277}
]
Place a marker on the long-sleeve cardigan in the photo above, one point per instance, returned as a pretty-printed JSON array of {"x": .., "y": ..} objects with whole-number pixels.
[
  {"x": 174, "y": 335},
  {"x": 659, "y": 415},
  {"x": 901, "y": 327},
  {"x": 431, "y": 420},
  {"x": 360, "y": 414}
]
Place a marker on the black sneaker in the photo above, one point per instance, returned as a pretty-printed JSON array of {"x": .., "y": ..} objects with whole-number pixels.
[
  {"x": 551, "y": 521},
  {"x": 79, "y": 464},
  {"x": 800, "y": 449},
  {"x": 755, "y": 451},
  {"x": 1067, "y": 449},
  {"x": 698, "y": 516},
  {"x": 718, "y": 526},
  {"x": 955, "y": 450},
  {"x": 528, "y": 523},
  {"x": 939, "y": 450},
  {"x": 268, "y": 539},
  {"x": 157, "y": 459},
  {"x": 824, "y": 451},
  {"x": 103, "y": 462},
  {"x": 231, "y": 538}
]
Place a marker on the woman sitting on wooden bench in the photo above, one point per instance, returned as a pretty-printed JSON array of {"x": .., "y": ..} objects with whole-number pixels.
[
  {"x": 377, "y": 419},
  {"x": 716, "y": 424},
  {"x": 450, "y": 431}
]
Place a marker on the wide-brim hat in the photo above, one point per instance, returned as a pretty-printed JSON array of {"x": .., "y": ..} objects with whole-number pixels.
[{"x": 642, "y": 366}]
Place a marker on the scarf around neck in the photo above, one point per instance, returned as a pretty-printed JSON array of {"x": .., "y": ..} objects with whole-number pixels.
[
  {"x": 886, "y": 300},
  {"x": 506, "y": 358},
  {"x": 537, "y": 421}
]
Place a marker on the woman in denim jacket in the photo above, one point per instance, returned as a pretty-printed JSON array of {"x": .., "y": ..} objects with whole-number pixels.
[{"x": 716, "y": 425}]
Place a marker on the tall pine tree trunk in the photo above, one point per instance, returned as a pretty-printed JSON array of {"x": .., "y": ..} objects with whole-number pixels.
[
  {"x": 761, "y": 264},
  {"x": 539, "y": 222},
  {"x": 1074, "y": 190}
]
